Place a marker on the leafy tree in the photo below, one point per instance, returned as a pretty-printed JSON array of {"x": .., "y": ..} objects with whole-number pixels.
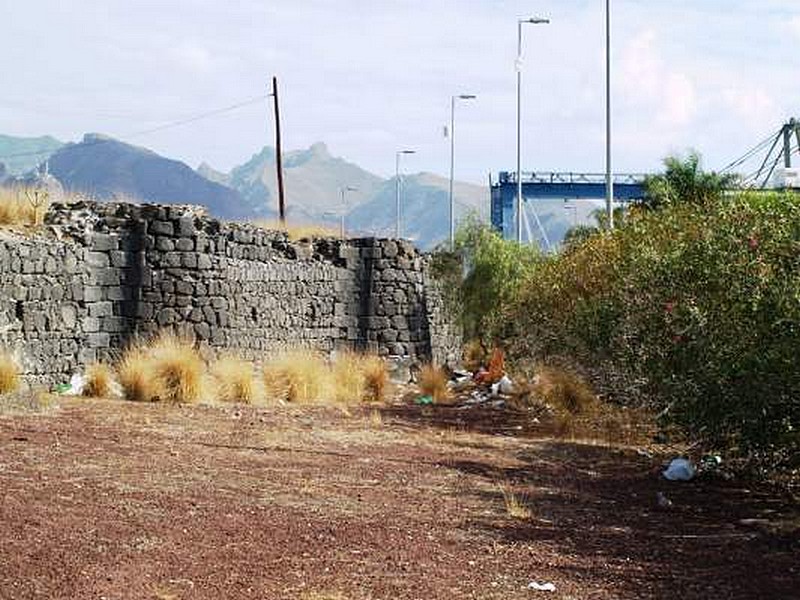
[
  {"x": 684, "y": 181},
  {"x": 495, "y": 271}
]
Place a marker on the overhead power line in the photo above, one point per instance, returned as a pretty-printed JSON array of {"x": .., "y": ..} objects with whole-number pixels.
[{"x": 168, "y": 125}]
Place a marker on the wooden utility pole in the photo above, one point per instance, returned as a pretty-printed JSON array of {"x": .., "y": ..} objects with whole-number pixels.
[{"x": 278, "y": 165}]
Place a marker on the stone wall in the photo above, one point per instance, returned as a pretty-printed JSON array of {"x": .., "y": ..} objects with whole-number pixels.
[{"x": 135, "y": 270}]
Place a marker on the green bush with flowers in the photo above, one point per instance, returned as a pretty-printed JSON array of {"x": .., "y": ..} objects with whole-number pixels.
[{"x": 696, "y": 303}]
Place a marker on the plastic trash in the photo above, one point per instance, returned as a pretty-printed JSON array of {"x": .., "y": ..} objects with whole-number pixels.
[
  {"x": 680, "y": 469},
  {"x": 61, "y": 388},
  {"x": 423, "y": 400},
  {"x": 76, "y": 384},
  {"x": 505, "y": 384},
  {"x": 542, "y": 587}
]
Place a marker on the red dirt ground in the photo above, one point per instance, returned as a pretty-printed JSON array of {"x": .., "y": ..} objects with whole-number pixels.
[{"x": 102, "y": 499}]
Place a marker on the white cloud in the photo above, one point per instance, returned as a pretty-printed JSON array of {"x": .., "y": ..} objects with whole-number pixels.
[
  {"x": 649, "y": 83},
  {"x": 793, "y": 26}
]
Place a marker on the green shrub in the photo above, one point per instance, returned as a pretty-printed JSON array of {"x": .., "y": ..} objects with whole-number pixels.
[{"x": 700, "y": 302}]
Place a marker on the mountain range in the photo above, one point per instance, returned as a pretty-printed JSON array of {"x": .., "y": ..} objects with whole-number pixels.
[{"x": 106, "y": 168}]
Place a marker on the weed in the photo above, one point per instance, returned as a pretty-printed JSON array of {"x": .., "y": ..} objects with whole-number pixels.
[
  {"x": 99, "y": 378},
  {"x": 298, "y": 376},
  {"x": 168, "y": 368},
  {"x": 376, "y": 378},
  {"x": 22, "y": 207},
  {"x": 236, "y": 380},
  {"x": 299, "y": 231},
  {"x": 9, "y": 374},
  {"x": 180, "y": 368},
  {"x": 348, "y": 377},
  {"x": 135, "y": 376},
  {"x": 433, "y": 382},
  {"x": 516, "y": 506},
  {"x": 375, "y": 418},
  {"x": 565, "y": 390}
]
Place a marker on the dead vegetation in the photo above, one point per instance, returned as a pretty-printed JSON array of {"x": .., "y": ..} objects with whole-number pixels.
[
  {"x": 9, "y": 373},
  {"x": 304, "y": 376},
  {"x": 99, "y": 380},
  {"x": 432, "y": 381},
  {"x": 22, "y": 206},
  {"x": 299, "y": 231},
  {"x": 166, "y": 369},
  {"x": 236, "y": 380}
]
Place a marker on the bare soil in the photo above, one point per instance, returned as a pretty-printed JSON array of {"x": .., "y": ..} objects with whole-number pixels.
[{"x": 107, "y": 499}]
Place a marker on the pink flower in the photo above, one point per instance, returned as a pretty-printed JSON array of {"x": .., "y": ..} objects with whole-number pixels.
[{"x": 752, "y": 242}]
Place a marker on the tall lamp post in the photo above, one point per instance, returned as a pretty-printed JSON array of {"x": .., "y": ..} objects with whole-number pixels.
[
  {"x": 452, "y": 160},
  {"x": 344, "y": 190},
  {"x": 520, "y": 23},
  {"x": 397, "y": 188},
  {"x": 609, "y": 179}
]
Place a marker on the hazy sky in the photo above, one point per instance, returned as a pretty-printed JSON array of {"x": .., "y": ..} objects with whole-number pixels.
[{"x": 372, "y": 76}]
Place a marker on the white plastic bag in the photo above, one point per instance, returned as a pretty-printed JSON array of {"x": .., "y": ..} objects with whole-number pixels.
[{"x": 680, "y": 469}]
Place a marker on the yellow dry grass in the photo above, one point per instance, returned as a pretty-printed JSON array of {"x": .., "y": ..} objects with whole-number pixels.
[
  {"x": 565, "y": 390},
  {"x": 376, "y": 378},
  {"x": 348, "y": 377},
  {"x": 305, "y": 376},
  {"x": 9, "y": 374},
  {"x": 432, "y": 381},
  {"x": 300, "y": 231},
  {"x": 99, "y": 378},
  {"x": 516, "y": 506},
  {"x": 236, "y": 380},
  {"x": 21, "y": 207},
  {"x": 166, "y": 369},
  {"x": 298, "y": 376}
]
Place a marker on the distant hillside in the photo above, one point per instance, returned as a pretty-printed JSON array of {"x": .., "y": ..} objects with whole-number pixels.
[
  {"x": 425, "y": 208},
  {"x": 107, "y": 168},
  {"x": 22, "y": 154},
  {"x": 312, "y": 181}
]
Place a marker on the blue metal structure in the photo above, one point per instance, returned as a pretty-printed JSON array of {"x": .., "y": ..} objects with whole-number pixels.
[{"x": 556, "y": 186}]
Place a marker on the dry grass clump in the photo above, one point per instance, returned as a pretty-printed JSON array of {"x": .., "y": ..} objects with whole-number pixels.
[
  {"x": 9, "y": 374},
  {"x": 300, "y": 231},
  {"x": 22, "y": 207},
  {"x": 432, "y": 381},
  {"x": 516, "y": 505},
  {"x": 305, "y": 376},
  {"x": 236, "y": 380},
  {"x": 298, "y": 376},
  {"x": 99, "y": 379},
  {"x": 348, "y": 377},
  {"x": 474, "y": 355},
  {"x": 565, "y": 390},
  {"x": 376, "y": 378},
  {"x": 167, "y": 369}
]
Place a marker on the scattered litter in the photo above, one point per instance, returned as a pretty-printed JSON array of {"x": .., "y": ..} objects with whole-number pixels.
[
  {"x": 73, "y": 388},
  {"x": 542, "y": 587},
  {"x": 662, "y": 501},
  {"x": 710, "y": 462},
  {"x": 680, "y": 469},
  {"x": 424, "y": 400},
  {"x": 76, "y": 384}
]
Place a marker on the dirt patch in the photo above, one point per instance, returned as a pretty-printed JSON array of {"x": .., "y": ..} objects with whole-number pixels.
[{"x": 116, "y": 500}]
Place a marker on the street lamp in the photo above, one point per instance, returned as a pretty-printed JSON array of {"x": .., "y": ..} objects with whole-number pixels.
[
  {"x": 344, "y": 207},
  {"x": 609, "y": 180},
  {"x": 397, "y": 188},
  {"x": 520, "y": 23},
  {"x": 452, "y": 160}
]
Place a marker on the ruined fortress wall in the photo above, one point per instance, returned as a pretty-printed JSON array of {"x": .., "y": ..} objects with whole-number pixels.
[{"x": 138, "y": 269}]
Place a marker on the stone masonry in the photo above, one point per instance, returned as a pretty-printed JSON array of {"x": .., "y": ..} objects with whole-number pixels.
[{"x": 102, "y": 275}]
